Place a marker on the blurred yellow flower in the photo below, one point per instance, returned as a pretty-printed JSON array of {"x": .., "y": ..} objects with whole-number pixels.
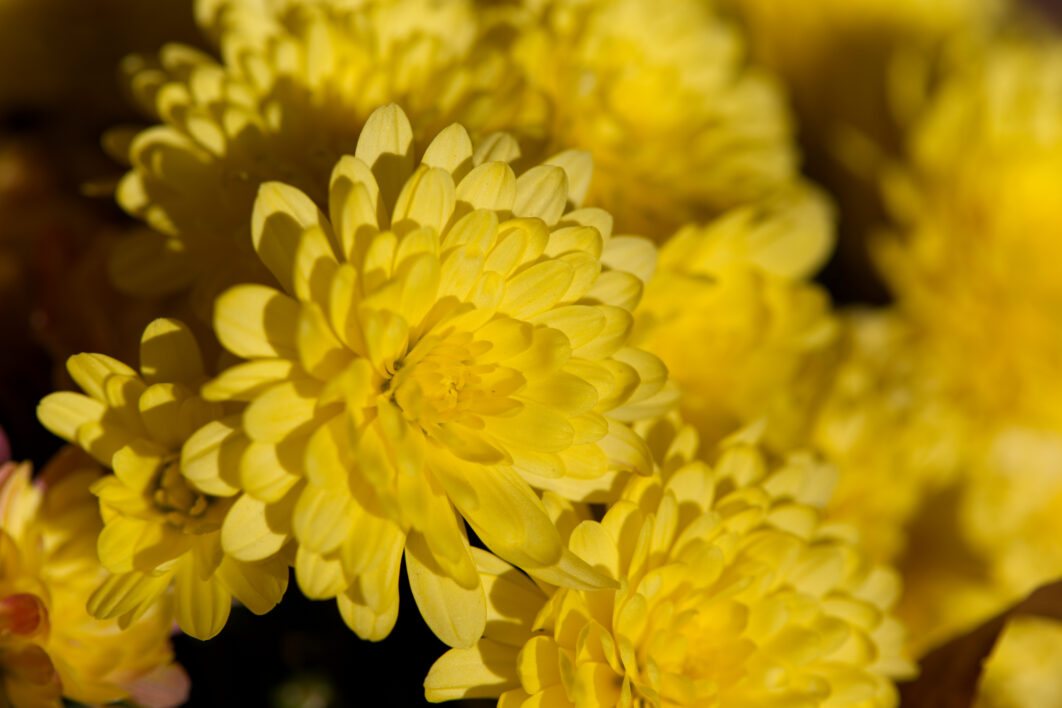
[
  {"x": 679, "y": 125},
  {"x": 49, "y": 645},
  {"x": 293, "y": 89},
  {"x": 159, "y": 530},
  {"x": 732, "y": 592},
  {"x": 742, "y": 333},
  {"x": 452, "y": 336}
]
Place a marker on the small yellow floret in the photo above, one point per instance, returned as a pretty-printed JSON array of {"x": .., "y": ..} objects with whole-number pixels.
[{"x": 159, "y": 529}]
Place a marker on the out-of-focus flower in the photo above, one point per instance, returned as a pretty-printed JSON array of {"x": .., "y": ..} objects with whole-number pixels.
[
  {"x": 1023, "y": 668},
  {"x": 732, "y": 592},
  {"x": 883, "y": 387},
  {"x": 680, "y": 126},
  {"x": 158, "y": 529},
  {"x": 290, "y": 96},
  {"x": 856, "y": 72},
  {"x": 971, "y": 262},
  {"x": 452, "y": 336},
  {"x": 49, "y": 645},
  {"x": 742, "y": 333}
]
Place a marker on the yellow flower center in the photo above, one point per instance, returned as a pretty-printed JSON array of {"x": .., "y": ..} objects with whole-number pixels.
[
  {"x": 173, "y": 498},
  {"x": 448, "y": 385}
]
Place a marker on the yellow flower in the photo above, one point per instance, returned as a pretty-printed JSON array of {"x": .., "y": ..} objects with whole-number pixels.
[
  {"x": 856, "y": 73},
  {"x": 972, "y": 257},
  {"x": 293, "y": 89},
  {"x": 731, "y": 593},
  {"x": 159, "y": 530},
  {"x": 452, "y": 336},
  {"x": 680, "y": 127},
  {"x": 49, "y": 645},
  {"x": 884, "y": 387},
  {"x": 1022, "y": 670},
  {"x": 740, "y": 330}
]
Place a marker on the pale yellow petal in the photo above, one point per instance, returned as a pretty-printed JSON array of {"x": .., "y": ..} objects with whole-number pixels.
[
  {"x": 257, "y": 586},
  {"x": 496, "y": 147},
  {"x": 285, "y": 409},
  {"x": 450, "y": 150},
  {"x": 201, "y": 606},
  {"x": 536, "y": 289},
  {"x": 483, "y": 670},
  {"x": 322, "y": 518},
  {"x": 491, "y": 185},
  {"x": 455, "y": 614},
  {"x": 254, "y": 530},
  {"x": 64, "y": 412},
  {"x": 354, "y": 206},
  {"x": 281, "y": 214},
  {"x": 427, "y": 199},
  {"x": 579, "y": 166},
  {"x": 386, "y": 146},
  {"x": 169, "y": 352},
  {"x": 244, "y": 382},
  {"x": 254, "y": 321},
  {"x": 542, "y": 192},
  {"x": 210, "y": 458},
  {"x": 319, "y": 577}
]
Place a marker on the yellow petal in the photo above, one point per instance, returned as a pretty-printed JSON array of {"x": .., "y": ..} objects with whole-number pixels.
[
  {"x": 254, "y": 321},
  {"x": 168, "y": 352},
  {"x": 427, "y": 199},
  {"x": 534, "y": 426},
  {"x": 63, "y": 413},
  {"x": 285, "y": 409},
  {"x": 490, "y": 186},
  {"x": 578, "y": 165},
  {"x": 506, "y": 514},
  {"x": 580, "y": 323},
  {"x": 320, "y": 352},
  {"x": 258, "y": 586},
  {"x": 364, "y": 621},
  {"x": 244, "y": 382},
  {"x": 633, "y": 254},
  {"x": 210, "y": 458},
  {"x": 268, "y": 471},
  {"x": 541, "y": 192},
  {"x": 90, "y": 371},
  {"x": 322, "y": 518},
  {"x": 455, "y": 614},
  {"x": 536, "y": 288},
  {"x": 314, "y": 265},
  {"x": 496, "y": 147},
  {"x": 281, "y": 214},
  {"x": 124, "y": 593},
  {"x": 201, "y": 605},
  {"x": 450, "y": 150},
  {"x": 477, "y": 672},
  {"x": 254, "y": 530},
  {"x": 319, "y": 577},
  {"x": 354, "y": 206},
  {"x": 386, "y": 146}
]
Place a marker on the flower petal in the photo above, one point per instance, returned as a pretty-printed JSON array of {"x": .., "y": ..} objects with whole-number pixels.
[{"x": 455, "y": 614}]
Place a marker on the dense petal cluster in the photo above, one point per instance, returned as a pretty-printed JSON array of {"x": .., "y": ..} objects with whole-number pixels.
[
  {"x": 743, "y": 334},
  {"x": 633, "y": 82},
  {"x": 450, "y": 337},
  {"x": 50, "y": 647},
  {"x": 159, "y": 530},
  {"x": 289, "y": 96},
  {"x": 732, "y": 592}
]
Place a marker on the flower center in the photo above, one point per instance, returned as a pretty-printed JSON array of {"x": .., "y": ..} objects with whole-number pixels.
[
  {"x": 173, "y": 498},
  {"x": 444, "y": 385}
]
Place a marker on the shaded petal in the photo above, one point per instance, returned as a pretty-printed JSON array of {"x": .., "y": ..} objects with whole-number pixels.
[{"x": 455, "y": 614}]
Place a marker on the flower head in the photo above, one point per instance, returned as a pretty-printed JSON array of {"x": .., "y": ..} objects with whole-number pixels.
[
  {"x": 290, "y": 95},
  {"x": 159, "y": 530},
  {"x": 50, "y": 647},
  {"x": 732, "y": 592},
  {"x": 743, "y": 334},
  {"x": 452, "y": 336},
  {"x": 680, "y": 127}
]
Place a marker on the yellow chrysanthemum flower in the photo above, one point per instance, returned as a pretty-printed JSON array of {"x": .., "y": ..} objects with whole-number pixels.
[
  {"x": 1022, "y": 670},
  {"x": 632, "y": 81},
  {"x": 856, "y": 73},
  {"x": 159, "y": 530},
  {"x": 50, "y": 647},
  {"x": 977, "y": 211},
  {"x": 293, "y": 89},
  {"x": 884, "y": 388},
  {"x": 732, "y": 592},
  {"x": 452, "y": 336},
  {"x": 741, "y": 332}
]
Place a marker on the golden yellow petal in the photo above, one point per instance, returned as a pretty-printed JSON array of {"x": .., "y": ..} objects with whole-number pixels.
[
  {"x": 255, "y": 321},
  {"x": 455, "y": 614},
  {"x": 386, "y": 146},
  {"x": 201, "y": 605},
  {"x": 281, "y": 214},
  {"x": 476, "y": 672}
]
